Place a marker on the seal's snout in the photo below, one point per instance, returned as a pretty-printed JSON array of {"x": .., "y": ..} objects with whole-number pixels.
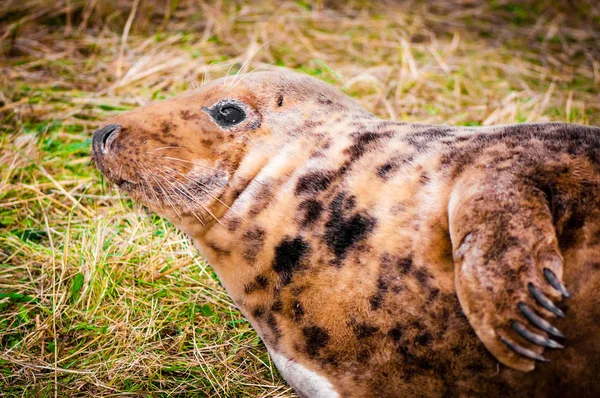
[{"x": 103, "y": 138}]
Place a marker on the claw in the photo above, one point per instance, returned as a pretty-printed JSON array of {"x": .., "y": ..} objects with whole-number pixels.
[
  {"x": 545, "y": 301},
  {"x": 553, "y": 280},
  {"x": 534, "y": 337},
  {"x": 538, "y": 321},
  {"x": 523, "y": 351}
]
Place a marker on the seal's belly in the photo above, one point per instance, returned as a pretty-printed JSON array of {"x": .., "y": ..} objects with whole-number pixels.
[
  {"x": 304, "y": 381},
  {"x": 376, "y": 323}
]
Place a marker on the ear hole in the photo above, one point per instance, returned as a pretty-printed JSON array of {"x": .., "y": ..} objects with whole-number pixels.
[{"x": 280, "y": 101}]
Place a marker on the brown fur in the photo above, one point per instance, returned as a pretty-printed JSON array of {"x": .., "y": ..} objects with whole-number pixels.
[{"x": 387, "y": 257}]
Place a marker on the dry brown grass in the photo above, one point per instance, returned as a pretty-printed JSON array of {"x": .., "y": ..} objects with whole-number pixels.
[{"x": 99, "y": 298}]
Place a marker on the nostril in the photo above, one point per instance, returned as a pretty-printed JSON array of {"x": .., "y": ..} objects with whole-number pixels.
[
  {"x": 107, "y": 132},
  {"x": 103, "y": 135}
]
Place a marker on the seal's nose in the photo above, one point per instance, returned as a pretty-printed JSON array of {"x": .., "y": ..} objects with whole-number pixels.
[{"x": 103, "y": 137}]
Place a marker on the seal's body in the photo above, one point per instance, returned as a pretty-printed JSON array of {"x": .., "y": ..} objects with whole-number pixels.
[{"x": 377, "y": 258}]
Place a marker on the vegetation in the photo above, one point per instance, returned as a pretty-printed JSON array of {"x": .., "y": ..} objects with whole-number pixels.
[{"x": 100, "y": 298}]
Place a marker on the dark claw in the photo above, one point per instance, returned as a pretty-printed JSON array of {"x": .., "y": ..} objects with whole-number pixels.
[
  {"x": 553, "y": 280},
  {"x": 523, "y": 351},
  {"x": 534, "y": 337},
  {"x": 538, "y": 321},
  {"x": 545, "y": 301}
]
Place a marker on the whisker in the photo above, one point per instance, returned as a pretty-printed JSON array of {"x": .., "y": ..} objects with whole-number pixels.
[
  {"x": 253, "y": 70},
  {"x": 195, "y": 164},
  {"x": 245, "y": 62},
  {"x": 172, "y": 185},
  {"x": 183, "y": 190},
  {"x": 142, "y": 182},
  {"x": 228, "y": 71},
  {"x": 164, "y": 147},
  {"x": 166, "y": 195},
  {"x": 189, "y": 196},
  {"x": 143, "y": 172},
  {"x": 206, "y": 190}
]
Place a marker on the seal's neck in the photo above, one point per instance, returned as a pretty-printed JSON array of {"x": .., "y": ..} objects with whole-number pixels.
[{"x": 241, "y": 245}]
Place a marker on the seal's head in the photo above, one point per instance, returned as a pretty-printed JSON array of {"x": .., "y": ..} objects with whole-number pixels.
[{"x": 189, "y": 157}]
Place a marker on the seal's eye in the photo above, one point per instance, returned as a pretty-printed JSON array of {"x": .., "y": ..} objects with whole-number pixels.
[
  {"x": 226, "y": 113},
  {"x": 229, "y": 114}
]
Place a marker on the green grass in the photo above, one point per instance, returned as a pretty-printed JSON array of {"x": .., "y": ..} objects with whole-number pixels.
[{"x": 99, "y": 297}]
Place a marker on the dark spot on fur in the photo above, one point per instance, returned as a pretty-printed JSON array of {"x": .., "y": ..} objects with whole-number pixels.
[
  {"x": 162, "y": 138},
  {"x": 476, "y": 367},
  {"x": 166, "y": 126},
  {"x": 288, "y": 255},
  {"x": 308, "y": 126},
  {"x": 236, "y": 194},
  {"x": 433, "y": 294},
  {"x": 217, "y": 249},
  {"x": 411, "y": 360},
  {"x": 593, "y": 265},
  {"x": 423, "y": 339},
  {"x": 253, "y": 239},
  {"x": 314, "y": 182},
  {"x": 422, "y": 276},
  {"x": 272, "y": 324},
  {"x": 254, "y": 125},
  {"x": 316, "y": 338},
  {"x": 375, "y": 301},
  {"x": 311, "y": 210},
  {"x": 363, "y": 354},
  {"x": 260, "y": 282},
  {"x": 329, "y": 361},
  {"x": 362, "y": 143},
  {"x": 297, "y": 289},
  {"x": 386, "y": 168},
  {"x": 595, "y": 239},
  {"x": 206, "y": 142},
  {"x": 405, "y": 265},
  {"x": 395, "y": 333},
  {"x": 434, "y": 133},
  {"x": 277, "y": 306},
  {"x": 232, "y": 223},
  {"x": 262, "y": 198},
  {"x": 296, "y": 310},
  {"x": 326, "y": 144},
  {"x": 187, "y": 115},
  {"x": 382, "y": 288},
  {"x": 363, "y": 330},
  {"x": 258, "y": 312},
  {"x": 343, "y": 230}
]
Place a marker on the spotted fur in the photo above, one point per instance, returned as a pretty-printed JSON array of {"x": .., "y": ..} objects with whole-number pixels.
[{"x": 377, "y": 258}]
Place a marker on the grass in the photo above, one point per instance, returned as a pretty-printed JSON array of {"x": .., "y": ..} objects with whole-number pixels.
[{"x": 100, "y": 298}]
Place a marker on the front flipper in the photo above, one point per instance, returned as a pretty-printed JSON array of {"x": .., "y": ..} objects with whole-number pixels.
[{"x": 508, "y": 268}]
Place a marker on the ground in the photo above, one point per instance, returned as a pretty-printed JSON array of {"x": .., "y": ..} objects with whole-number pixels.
[{"x": 100, "y": 298}]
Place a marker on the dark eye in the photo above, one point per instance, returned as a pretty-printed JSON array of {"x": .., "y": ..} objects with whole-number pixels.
[{"x": 229, "y": 114}]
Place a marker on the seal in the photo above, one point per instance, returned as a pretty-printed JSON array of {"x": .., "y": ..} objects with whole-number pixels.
[{"x": 377, "y": 258}]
